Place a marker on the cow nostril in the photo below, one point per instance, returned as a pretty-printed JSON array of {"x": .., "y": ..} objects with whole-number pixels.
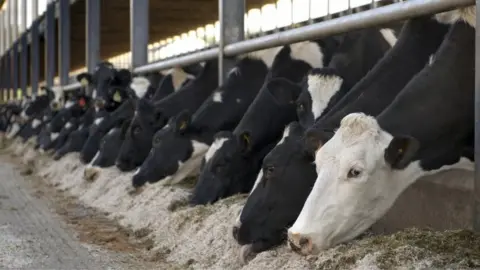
[
  {"x": 235, "y": 230},
  {"x": 300, "y": 244}
]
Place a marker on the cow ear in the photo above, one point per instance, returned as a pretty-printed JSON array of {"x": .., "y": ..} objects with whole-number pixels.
[
  {"x": 284, "y": 91},
  {"x": 313, "y": 140},
  {"x": 124, "y": 76},
  {"x": 84, "y": 78},
  {"x": 182, "y": 121},
  {"x": 245, "y": 141},
  {"x": 401, "y": 151}
]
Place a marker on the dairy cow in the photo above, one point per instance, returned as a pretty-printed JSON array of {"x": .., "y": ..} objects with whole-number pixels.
[
  {"x": 181, "y": 147},
  {"x": 152, "y": 116},
  {"x": 327, "y": 84},
  {"x": 369, "y": 161},
  {"x": 233, "y": 160},
  {"x": 288, "y": 167}
]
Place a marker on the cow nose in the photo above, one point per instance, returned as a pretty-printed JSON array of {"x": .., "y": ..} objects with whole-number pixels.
[
  {"x": 235, "y": 231},
  {"x": 300, "y": 244}
]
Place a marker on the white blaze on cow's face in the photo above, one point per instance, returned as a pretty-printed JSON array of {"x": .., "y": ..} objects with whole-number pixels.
[
  {"x": 36, "y": 123},
  {"x": 355, "y": 186},
  {"x": 69, "y": 104},
  {"x": 217, "y": 144},
  {"x": 217, "y": 97},
  {"x": 140, "y": 86},
  {"x": 322, "y": 88}
]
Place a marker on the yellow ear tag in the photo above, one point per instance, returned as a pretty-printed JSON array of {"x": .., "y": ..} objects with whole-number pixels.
[
  {"x": 183, "y": 125},
  {"x": 400, "y": 150},
  {"x": 19, "y": 93},
  {"x": 246, "y": 138},
  {"x": 117, "y": 97},
  {"x": 84, "y": 82}
]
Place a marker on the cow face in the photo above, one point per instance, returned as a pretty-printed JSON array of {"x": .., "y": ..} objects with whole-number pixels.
[
  {"x": 227, "y": 168},
  {"x": 74, "y": 143},
  {"x": 109, "y": 149},
  {"x": 287, "y": 169},
  {"x": 138, "y": 139},
  {"x": 318, "y": 88},
  {"x": 174, "y": 154},
  {"x": 360, "y": 175}
]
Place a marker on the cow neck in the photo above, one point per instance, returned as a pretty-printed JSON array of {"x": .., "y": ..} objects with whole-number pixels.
[
  {"x": 419, "y": 38},
  {"x": 436, "y": 107},
  {"x": 265, "y": 119}
]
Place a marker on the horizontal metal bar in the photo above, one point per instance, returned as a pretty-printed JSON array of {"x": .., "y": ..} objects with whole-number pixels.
[
  {"x": 179, "y": 61},
  {"x": 73, "y": 86},
  {"x": 369, "y": 18}
]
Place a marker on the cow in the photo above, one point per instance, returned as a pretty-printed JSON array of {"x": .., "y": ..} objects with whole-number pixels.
[
  {"x": 347, "y": 65},
  {"x": 359, "y": 51},
  {"x": 232, "y": 162},
  {"x": 181, "y": 148},
  {"x": 370, "y": 161},
  {"x": 152, "y": 116},
  {"x": 107, "y": 152},
  {"x": 104, "y": 121},
  {"x": 267, "y": 213}
]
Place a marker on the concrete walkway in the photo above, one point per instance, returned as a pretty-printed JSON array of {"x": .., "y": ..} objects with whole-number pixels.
[{"x": 33, "y": 237}]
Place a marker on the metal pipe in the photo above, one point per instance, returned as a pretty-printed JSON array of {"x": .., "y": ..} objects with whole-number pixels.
[
  {"x": 72, "y": 86},
  {"x": 34, "y": 10},
  {"x": 50, "y": 67},
  {"x": 139, "y": 32},
  {"x": 35, "y": 56},
  {"x": 14, "y": 52},
  {"x": 231, "y": 18},
  {"x": 183, "y": 60},
  {"x": 2, "y": 34},
  {"x": 8, "y": 28},
  {"x": 14, "y": 18},
  {"x": 24, "y": 16},
  {"x": 23, "y": 51},
  {"x": 369, "y": 18},
  {"x": 92, "y": 34},
  {"x": 64, "y": 41},
  {"x": 476, "y": 182}
]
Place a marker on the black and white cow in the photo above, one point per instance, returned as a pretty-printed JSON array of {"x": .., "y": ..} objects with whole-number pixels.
[
  {"x": 179, "y": 148},
  {"x": 152, "y": 116},
  {"x": 370, "y": 161},
  {"x": 288, "y": 167},
  {"x": 356, "y": 54},
  {"x": 108, "y": 151},
  {"x": 232, "y": 162}
]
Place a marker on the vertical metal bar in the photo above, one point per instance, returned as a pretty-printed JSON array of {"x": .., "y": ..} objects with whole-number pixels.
[
  {"x": 8, "y": 28},
  {"x": 2, "y": 34},
  {"x": 139, "y": 32},
  {"x": 231, "y": 18},
  {"x": 15, "y": 65},
  {"x": 64, "y": 41},
  {"x": 476, "y": 190},
  {"x": 34, "y": 10},
  {"x": 35, "y": 57},
  {"x": 24, "y": 15},
  {"x": 14, "y": 20},
  {"x": 8, "y": 72},
  {"x": 50, "y": 45},
  {"x": 23, "y": 63},
  {"x": 92, "y": 34}
]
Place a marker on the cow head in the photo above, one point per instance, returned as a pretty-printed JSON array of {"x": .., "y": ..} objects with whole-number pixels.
[
  {"x": 287, "y": 169},
  {"x": 174, "y": 154},
  {"x": 359, "y": 171},
  {"x": 146, "y": 121}
]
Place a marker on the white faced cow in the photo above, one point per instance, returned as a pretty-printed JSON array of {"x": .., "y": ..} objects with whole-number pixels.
[{"x": 370, "y": 161}]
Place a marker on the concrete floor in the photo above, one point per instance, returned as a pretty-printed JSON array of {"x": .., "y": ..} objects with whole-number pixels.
[{"x": 32, "y": 236}]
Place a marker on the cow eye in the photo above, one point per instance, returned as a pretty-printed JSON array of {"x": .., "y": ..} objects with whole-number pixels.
[
  {"x": 300, "y": 107},
  {"x": 157, "y": 140},
  {"x": 353, "y": 173},
  {"x": 268, "y": 171},
  {"x": 136, "y": 130}
]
